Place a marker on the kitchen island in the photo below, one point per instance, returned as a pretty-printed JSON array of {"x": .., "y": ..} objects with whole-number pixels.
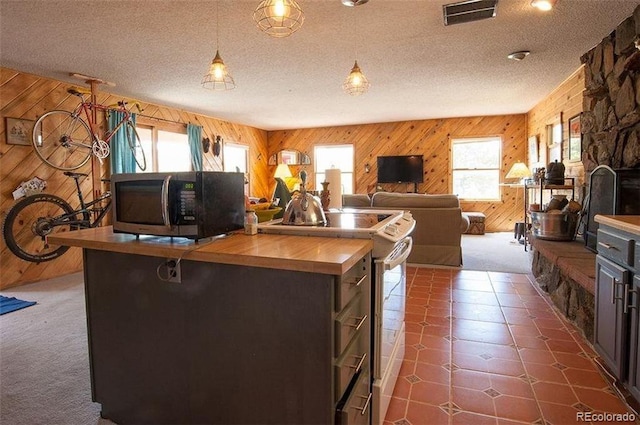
[{"x": 251, "y": 329}]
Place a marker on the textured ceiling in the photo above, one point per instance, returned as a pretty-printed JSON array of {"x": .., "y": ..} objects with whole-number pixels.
[{"x": 157, "y": 51}]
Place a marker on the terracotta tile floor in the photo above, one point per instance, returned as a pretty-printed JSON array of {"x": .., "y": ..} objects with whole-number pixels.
[{"x": 487, "y": 348}]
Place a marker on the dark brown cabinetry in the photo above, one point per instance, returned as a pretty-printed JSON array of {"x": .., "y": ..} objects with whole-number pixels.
[
  {"x": 617, "y": 327},
  {"x": 634, "y": 362},
  {"x": 610, "y": 335},
  {"x": 229, "y": 344}
]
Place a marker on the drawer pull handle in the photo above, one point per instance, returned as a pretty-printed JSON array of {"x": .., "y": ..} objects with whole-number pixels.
[
  {"x": 625, "y": 299},
  {"x": 360, "y": 320},
  {"x": 357, "y": 282},
  {"x": 360, "y": 362},
  {"x": 364, "y": 408},
  {"x": 608, "y": 246},
  {"x": 633, "y": 302}
]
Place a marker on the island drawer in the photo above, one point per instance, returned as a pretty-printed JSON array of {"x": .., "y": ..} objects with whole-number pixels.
[
  {"x": 615, "y": 247},
  {"x": 355, "y": 407},
  {"x": 352, "y": 320},
  {"x": 348, "y": 285},
  {"x": 354, "y": 359}
]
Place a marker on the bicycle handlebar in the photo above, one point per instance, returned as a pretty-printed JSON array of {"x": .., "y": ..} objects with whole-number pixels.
[{"x": 123, "y": 104}]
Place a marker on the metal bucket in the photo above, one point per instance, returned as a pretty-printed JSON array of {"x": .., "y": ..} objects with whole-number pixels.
[{"x": 554, "y": 227}]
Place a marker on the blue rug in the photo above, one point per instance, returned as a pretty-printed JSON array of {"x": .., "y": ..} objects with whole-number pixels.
[{"x": 7, "y": 305}]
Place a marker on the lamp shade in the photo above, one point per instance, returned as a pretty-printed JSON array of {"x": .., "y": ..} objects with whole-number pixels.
[
  {"x": 218, "y": 77},
  {"x": 356, "y": 83},
  {"x": 519, "y": 170},
  {"x": 279, "y": 18},
  {"x": 282, "y": 171}
]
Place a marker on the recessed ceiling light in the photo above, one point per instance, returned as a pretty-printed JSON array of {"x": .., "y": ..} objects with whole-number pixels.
[
  {"x": 518, "y": 56},
  {"x": 544, "y": 5},
  {"x": 354, "y": 2}
]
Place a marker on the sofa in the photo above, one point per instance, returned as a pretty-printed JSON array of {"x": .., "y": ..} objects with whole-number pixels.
[{"x": 439, "y": 223}]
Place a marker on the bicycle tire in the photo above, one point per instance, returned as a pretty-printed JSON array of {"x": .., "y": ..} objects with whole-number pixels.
[
  {"x": 136, "y": 147},
  {"x": 29, "y": 222},
  {"x": 62, "y": 141}
]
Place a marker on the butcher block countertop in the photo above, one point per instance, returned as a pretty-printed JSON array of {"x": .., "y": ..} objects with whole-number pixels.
[
  {"x": 297, "y": 253},
  {"x": 627, "y": 223}
]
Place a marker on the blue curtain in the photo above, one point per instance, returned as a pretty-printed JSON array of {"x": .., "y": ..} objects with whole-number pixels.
[
  {"x": 122, "y": 159},
  {"x": 194, "y": 133}
]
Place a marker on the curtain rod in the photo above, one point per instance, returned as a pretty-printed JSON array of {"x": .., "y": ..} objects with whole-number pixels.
[{"x": 161, "y": 119}]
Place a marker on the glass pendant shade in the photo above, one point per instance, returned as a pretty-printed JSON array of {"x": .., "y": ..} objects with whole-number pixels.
[
  {"x": 356, "y": 83},
  {"x": 279, "y": 18},
  {"x": 218, "y": 77}
]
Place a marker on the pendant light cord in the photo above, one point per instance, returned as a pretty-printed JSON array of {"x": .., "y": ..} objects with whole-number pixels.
[
  {"x": 217, "y": 24},
  {"x": 355, "y": 29}
]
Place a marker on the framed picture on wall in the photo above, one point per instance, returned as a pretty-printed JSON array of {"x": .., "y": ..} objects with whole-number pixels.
[
  {"x": 575, "y": 138},
  {"x": 19, "y": 131},
  {"x": 533, "y": 149}
]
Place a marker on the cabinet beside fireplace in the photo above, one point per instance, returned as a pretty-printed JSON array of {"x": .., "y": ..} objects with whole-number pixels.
[{"x": 617, "y": 313}]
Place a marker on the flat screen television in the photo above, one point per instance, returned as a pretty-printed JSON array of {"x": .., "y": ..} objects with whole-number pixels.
[{"x": 400, "y": 169}]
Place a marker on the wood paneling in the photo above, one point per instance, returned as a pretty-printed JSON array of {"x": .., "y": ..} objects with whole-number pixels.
[
  {"x": 430, "y": 138},
  {"x": 29, "y": 96},
  {"x": 565, "y": 101}
]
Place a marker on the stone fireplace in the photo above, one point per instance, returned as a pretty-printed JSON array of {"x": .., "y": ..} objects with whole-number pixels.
[
  {"x": 611, "y": 124},
  {"x": 611, "y": 103}
]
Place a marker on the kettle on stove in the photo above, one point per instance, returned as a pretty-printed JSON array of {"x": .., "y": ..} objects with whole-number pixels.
[{"x": 304, "y": 209}]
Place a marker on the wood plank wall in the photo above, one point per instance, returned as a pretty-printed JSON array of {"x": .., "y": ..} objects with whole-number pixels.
[
  {"x": 564, "y": 102},
  {"x": 430, "y": 138},
  {"x": 27, "y": 96}
]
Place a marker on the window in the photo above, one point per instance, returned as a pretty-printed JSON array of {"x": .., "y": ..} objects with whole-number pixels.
[
  {"x": 334, "y": 156},
  {"x": 165, "y": 150},
  {"x": 475, "y": 164},
  {"x": 236, "y": 159}
]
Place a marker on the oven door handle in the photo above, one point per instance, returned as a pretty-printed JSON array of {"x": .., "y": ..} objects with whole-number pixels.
[{"x": 393, "y": 260}]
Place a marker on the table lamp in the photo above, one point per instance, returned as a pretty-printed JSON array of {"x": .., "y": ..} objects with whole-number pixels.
[{"x": 519, "y": 170}]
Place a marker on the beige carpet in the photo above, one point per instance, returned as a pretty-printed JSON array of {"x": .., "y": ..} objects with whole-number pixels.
[
  {"x": 44, "y": 360},
  {"x": 495, "y": 252}
]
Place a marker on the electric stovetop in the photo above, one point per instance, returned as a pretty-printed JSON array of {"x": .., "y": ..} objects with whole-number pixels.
[{"x": 342, "y": 223}]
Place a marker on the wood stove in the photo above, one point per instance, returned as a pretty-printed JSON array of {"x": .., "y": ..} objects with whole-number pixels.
[{"x": 611, "y": 192}]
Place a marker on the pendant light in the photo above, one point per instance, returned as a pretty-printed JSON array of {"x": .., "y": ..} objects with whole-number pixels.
[
  {"x": 356, "y": 82},
  {"x": 279, "y": 18},
  {"x": 218, "y": 77},
  {"x": 544, "y": 5}
]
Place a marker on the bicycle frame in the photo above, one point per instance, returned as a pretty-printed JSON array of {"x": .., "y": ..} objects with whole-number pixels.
[
  {"x": 86, "y": 210},
  {"x": 87, "y": 108}
]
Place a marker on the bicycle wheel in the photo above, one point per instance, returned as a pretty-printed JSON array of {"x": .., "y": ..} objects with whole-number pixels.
[
  {"x": 136, "y": 147},
  {"x": 31, "y": 220},
  {"x": 62, "y": 140}
]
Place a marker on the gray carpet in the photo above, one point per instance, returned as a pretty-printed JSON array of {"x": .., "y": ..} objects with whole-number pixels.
[
  {"x": 495, "y": 252},
  {"x": 44, "y": 362}
]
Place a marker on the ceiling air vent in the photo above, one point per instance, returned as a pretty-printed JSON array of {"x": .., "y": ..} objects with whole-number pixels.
[{"x": 469, "y": 11}]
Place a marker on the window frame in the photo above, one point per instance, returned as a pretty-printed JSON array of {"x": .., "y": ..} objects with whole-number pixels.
[
  {"x": 155, "y": 129},
  {"x": 498, "y": 168},
  {"x": 245, "y": 148},
  {"x": 317, "y": 183}
]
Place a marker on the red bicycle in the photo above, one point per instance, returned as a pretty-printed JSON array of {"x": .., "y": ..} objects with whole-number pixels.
[{"x": 65, "y": 141}]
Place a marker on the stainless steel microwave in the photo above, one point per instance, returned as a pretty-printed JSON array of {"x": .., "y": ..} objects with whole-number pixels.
[{"x": 193, "y": 205}]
